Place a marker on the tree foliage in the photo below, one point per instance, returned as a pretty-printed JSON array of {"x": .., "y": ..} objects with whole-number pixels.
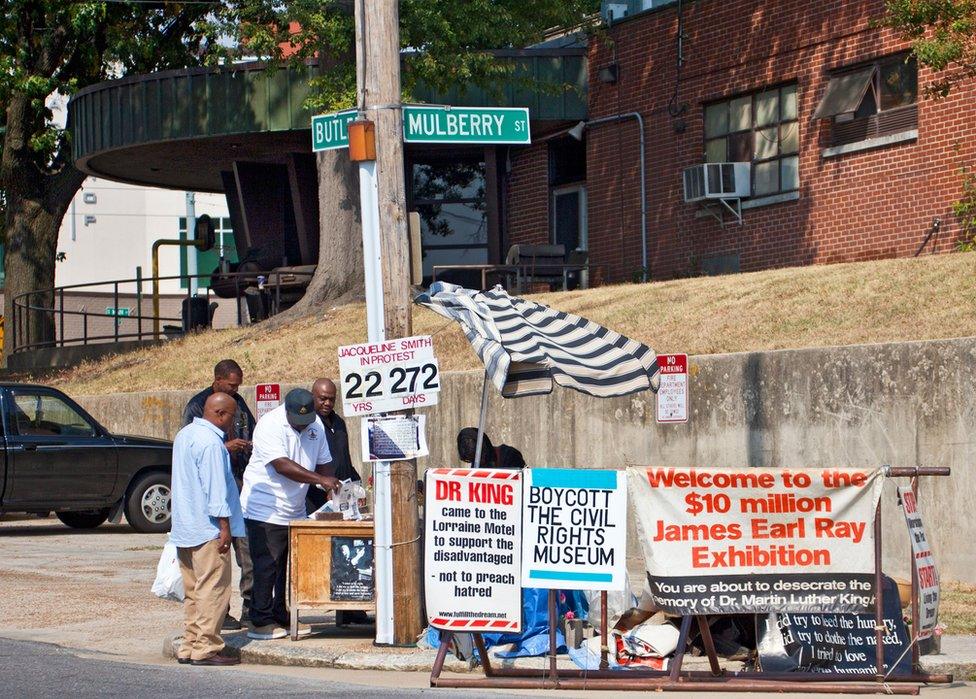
[
  {"x": 943, "y": 36},
  {"x": 446, "y": 43}
]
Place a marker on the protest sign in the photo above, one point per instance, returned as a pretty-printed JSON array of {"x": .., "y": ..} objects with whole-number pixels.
[
  {"x": 844, "y": 643},
  {"x": 472, "y": 548},
  {"x": 394, "y": 438},
  {"x": 928, "y": 576},
  {"x": 390, "y": 375},
  {"x": 575, "y": 529},
  {"x": 267, "y": 397},
  {"x": 748, "y": 540}
]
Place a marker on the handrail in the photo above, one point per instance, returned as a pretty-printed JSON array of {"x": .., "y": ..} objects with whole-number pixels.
[{"x": 51, "y": 301}]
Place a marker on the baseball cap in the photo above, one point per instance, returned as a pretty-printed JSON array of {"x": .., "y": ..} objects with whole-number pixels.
[{"x": 299, "y": 407}]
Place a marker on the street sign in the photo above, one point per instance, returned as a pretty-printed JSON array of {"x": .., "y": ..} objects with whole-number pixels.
[
  {"x": 120, "y": 311},
  {"x": 390, "y": 375},
  {"x": 672, "y": 396},
  {"x": 330, "y": 131},
  {"x": 267, "y": 397},
  {"x": 432, "y": 124}
]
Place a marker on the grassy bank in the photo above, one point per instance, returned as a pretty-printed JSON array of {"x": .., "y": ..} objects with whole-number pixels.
[{"x": 914, "y": 299}]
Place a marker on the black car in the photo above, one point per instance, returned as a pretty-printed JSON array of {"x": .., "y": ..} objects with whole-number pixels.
[{"x": 56, "y": 457}]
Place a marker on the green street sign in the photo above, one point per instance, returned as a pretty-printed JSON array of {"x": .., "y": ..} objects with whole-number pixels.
[
  {"x": 329, "y": 131},
  {"x": 502, "y": 125}
]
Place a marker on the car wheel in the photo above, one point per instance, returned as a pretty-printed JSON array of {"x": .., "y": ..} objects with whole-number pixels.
[
  {"x": 84, "y": 519},
  {"x": 148, "y": 506}
]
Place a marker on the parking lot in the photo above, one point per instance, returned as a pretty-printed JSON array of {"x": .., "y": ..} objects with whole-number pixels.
[{"x": 83, "y": 589}]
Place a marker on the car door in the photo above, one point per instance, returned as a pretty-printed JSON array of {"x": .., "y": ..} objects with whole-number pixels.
[{"x": 56, "y": 454}]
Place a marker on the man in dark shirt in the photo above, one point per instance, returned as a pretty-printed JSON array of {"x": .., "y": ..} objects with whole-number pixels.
[
  {"x": 228, "y": 377},
  {"x": 502, "y": 456}
]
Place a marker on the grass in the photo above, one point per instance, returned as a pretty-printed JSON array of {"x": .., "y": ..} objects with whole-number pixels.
[
  {"x": 890, "y": 300},
  {"x": 957, "y": 608}
]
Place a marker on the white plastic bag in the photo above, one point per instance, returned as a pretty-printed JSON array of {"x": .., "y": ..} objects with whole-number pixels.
[{"x": 169, "y": 580}]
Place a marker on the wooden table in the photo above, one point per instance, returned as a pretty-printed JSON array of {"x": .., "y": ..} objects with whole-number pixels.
[{"x": 330, "y": 565}]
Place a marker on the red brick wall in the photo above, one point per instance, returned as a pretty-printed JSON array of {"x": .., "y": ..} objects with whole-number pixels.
[
  {"x": 527, "y": 197},
  {"x": 858, "y": 206}
]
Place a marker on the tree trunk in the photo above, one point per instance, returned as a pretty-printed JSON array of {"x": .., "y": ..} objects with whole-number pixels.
[
  {"x": 31, "y": 230},
  {"x": 339, "y": 274}
]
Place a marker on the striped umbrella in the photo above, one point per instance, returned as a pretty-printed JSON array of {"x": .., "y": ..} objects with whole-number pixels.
[{"x": 526, "y": 346}]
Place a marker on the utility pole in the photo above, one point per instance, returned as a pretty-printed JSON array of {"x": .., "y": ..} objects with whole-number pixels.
[
  {"x": 191, "y": 251},
  {"x": 386, "y": 255}
]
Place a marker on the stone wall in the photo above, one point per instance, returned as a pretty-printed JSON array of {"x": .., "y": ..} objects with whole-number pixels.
[{"x": 901, "y": 404}]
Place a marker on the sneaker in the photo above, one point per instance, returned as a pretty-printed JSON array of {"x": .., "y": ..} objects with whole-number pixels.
[
  {"x": 268, "y": 632},
  {"x": 303, "y": 629},
  {"x": 230, "y": 624}
]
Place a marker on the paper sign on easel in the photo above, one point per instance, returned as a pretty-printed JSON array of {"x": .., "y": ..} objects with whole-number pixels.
[
  {"x": 928, "y": 577},
  {"x": 394, "y": 438}
]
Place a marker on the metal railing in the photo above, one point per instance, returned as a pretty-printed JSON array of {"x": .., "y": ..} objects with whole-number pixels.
[{"x": 270, "y": 287}]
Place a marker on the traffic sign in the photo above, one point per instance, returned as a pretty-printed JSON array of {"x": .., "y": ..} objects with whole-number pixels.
[
  {"x": 330, "y": 131},
  {"x": 672, "y": 395},
  {"x": 433, "y": 124},
  {"x": 267, "y": 397},
  {"x": 390, "y": 375}
]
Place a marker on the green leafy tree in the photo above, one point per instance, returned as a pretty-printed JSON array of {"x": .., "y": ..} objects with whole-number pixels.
[
  {"x": 447, "y": 44},
  {"x": 56, "y": 47}
]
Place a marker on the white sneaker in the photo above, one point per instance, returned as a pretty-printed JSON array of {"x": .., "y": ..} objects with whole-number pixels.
[{"x": 268, "y": 632}]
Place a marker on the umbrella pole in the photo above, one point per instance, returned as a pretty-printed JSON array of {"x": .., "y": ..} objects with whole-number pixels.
[{"x": 481, "y": 422}]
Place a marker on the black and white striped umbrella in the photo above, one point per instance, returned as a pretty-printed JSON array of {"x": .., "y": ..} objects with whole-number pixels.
[{"x": 525, "y": 346}]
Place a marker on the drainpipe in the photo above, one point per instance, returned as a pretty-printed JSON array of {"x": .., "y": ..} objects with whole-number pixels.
[{"x": 577, "y": 132}]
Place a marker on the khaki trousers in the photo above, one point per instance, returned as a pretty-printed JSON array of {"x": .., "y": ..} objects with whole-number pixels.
[{"x": 206, "y": 583}]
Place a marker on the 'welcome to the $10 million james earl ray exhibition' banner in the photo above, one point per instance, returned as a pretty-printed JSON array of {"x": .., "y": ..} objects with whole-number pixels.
[{"x": 757, "y": 540}]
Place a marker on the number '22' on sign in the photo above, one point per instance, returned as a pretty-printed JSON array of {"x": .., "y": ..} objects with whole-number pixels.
[{"x": 393, "y": 381}]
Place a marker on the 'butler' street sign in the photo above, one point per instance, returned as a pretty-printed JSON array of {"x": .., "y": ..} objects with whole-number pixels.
[{"x": 329, "y": 131}]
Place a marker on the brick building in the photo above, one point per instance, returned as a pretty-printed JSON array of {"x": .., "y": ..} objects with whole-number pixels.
[{"x": 849, "y": 159}]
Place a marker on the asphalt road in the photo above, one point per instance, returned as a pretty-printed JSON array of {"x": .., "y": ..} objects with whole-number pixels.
[{"x": 42, "y": 670}]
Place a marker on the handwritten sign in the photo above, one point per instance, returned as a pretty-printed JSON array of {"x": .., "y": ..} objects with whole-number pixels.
[
  {"x": 391, "y": 375},
  {"x": 575, "y": 529}
]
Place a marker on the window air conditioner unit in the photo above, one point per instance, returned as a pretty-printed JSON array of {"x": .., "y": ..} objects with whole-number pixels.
[{"x": 717, "y": 181}]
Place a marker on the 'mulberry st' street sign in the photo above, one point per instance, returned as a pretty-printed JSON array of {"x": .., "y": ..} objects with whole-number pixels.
[{"x": 503, "y": 125}]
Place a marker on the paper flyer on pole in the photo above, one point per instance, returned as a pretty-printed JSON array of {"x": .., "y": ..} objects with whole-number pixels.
[
  {"x": 394, "y": 438},
  {"x": 757, "y": 540},
  {"x": 575, "y": 529},
  {"x": 928, "y": 576},
  {"x": 472, "y": 549}
]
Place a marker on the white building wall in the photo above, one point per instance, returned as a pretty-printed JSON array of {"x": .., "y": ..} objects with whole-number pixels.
[{"x": 110, "y": 234}]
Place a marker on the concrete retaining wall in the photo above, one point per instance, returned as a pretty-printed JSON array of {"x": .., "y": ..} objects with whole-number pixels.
[{"x": 902, "y": 404}]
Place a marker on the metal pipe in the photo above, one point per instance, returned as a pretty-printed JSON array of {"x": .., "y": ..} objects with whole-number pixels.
[
  {"x": 553, "y": 673},
  {"x": 139, "y": 300},
  {"x": 61, "y": 315},
  {"x": 709, "y": 643},
  {"x": 191, "y": 234},
  {"x": 878, "y": 598},
  {"x": 155, "y": 275},
  {"x": 914, "y": 569},
  {"x": 481, "y": 422},
  {"x": 679, "y": 652},
  {"x": 638, "y": 685},
  {"x": 604, "y": 637},
  {"x": 646, "y": 271},
  {"x": 115, "y": 303},
  {"x": 818, "y": 677}
]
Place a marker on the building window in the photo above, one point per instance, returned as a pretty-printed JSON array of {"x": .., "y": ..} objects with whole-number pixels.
[
  {"x": 208, "y": 261},
  {"x": 871, "y": 100},
  {"x": 760, "y": 128}
]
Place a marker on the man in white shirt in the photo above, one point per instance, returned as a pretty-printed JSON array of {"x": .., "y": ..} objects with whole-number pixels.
[{"x": 289, "y": 449}]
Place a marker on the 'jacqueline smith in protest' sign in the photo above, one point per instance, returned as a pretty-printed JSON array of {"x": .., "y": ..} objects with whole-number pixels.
[
  {"x": 727, "y": 541},
  {"x": 472, "y": 549}
]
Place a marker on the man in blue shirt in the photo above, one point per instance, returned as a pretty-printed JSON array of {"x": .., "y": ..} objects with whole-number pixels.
[{"x": 206, "y": 517}]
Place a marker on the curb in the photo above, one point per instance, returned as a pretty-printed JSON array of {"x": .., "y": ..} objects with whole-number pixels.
[{"x": 299, "y": 655}]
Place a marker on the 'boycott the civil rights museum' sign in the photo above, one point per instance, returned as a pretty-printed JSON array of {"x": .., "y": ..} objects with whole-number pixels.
[
  {"x": 575, "y": 529},
  {"x": 756, "y": 540},
  {"x": 472, "y": 546}
]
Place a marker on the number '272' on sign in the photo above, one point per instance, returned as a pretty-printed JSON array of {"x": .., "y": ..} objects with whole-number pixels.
[{"x": 390, "y": 375}]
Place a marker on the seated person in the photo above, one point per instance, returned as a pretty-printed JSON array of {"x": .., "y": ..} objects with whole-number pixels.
[{"x": 502, "y": 456}]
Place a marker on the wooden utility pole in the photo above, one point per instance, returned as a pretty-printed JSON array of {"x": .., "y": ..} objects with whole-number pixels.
[{"x": 378, "y": 82}]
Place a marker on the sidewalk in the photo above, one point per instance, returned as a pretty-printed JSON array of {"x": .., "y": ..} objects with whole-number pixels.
[{"x": 353, "y": 649}]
